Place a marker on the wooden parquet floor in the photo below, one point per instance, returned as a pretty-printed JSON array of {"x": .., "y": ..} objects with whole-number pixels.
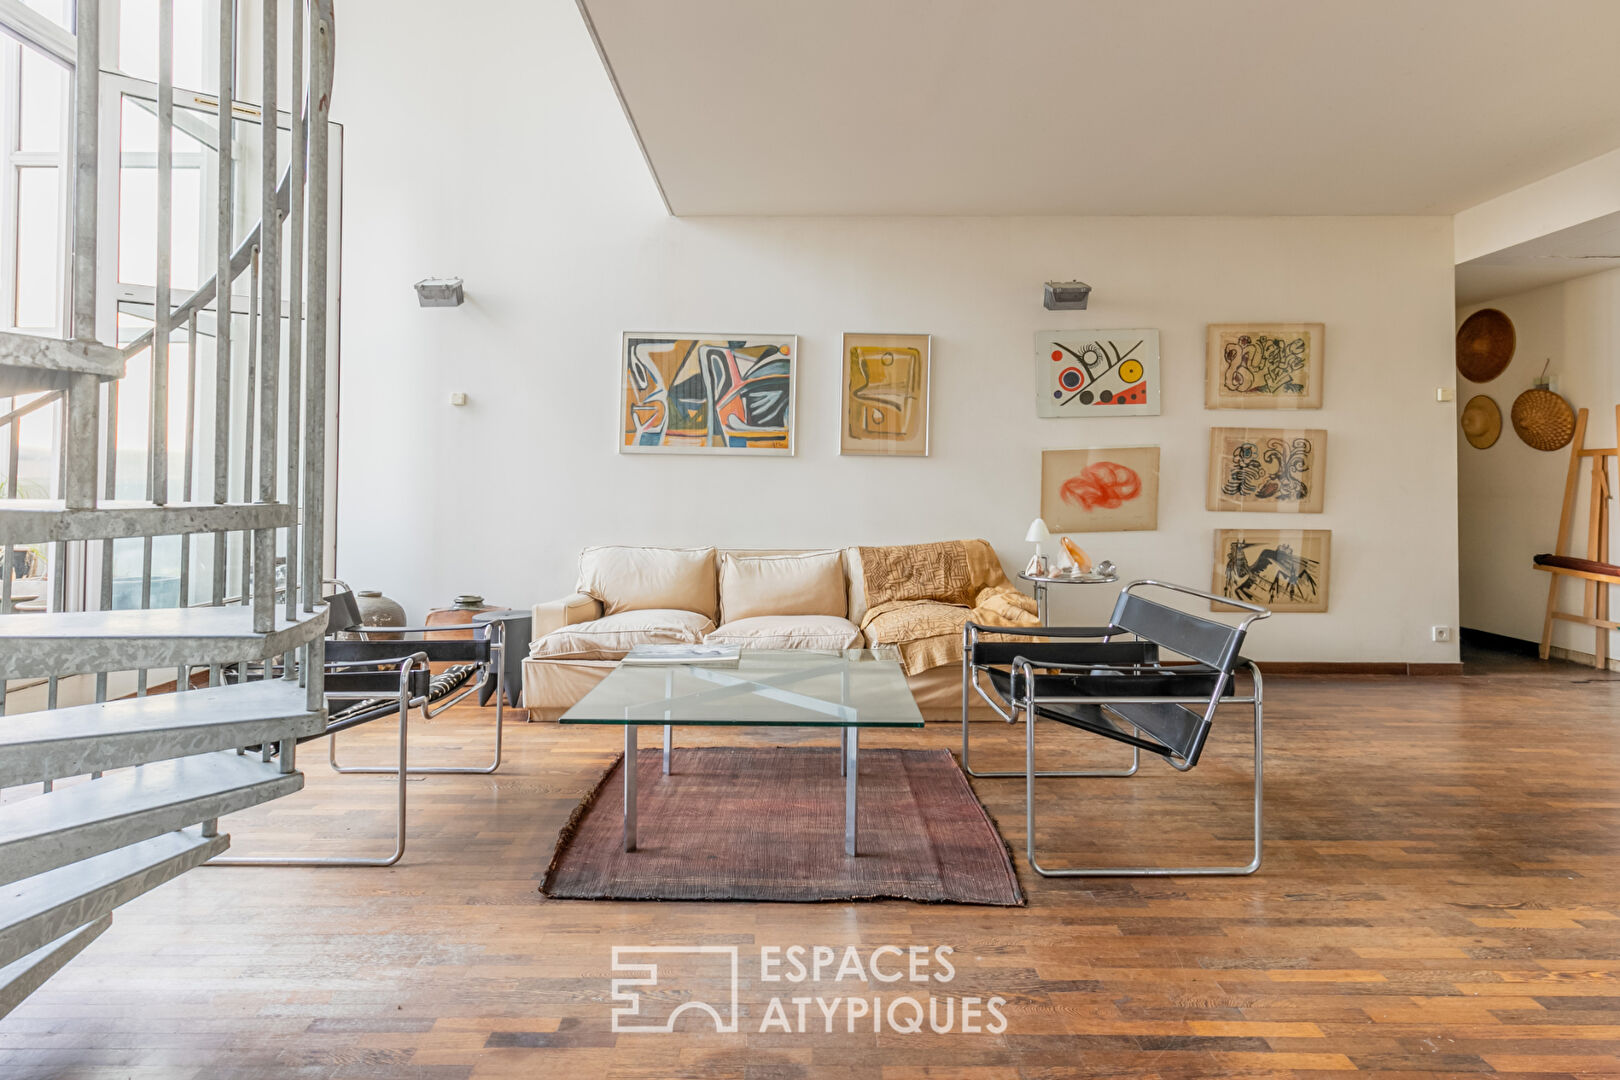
[{"x": 1441, "y": 896}]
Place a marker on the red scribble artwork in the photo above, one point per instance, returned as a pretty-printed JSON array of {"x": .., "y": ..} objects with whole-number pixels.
[{"x": 1102, "y": 485}]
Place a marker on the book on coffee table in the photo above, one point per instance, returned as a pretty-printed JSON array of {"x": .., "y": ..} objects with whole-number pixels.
[{"x": 708, "y": 655}]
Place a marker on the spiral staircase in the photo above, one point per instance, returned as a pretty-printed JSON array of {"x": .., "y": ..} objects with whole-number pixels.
[{"x": 110, "y": 796}]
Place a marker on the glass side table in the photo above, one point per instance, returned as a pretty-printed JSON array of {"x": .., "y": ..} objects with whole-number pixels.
[{"x": 1043, "y": 581}]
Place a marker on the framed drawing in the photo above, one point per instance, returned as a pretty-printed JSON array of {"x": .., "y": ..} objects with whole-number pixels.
[
  {"x": 707, "y": 393},
  {"x": 886, "y": 383},
  {"x": 1268, "y": 469},
  {"x": 1282, "y": 569},
  {"x": 1100, "y": 490},
  {"x": 1097, "y": 373},
  {"x": 1263, "y": 366}
]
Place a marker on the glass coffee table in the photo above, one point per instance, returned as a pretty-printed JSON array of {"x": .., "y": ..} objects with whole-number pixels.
[{"x": 848, "y": 690}]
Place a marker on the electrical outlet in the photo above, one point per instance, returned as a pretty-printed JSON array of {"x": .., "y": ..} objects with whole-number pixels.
[
  {"x": 1444, "y": 394},
  {"x": 458, "y": 398},
  {"x": 1440, "y": 633}
]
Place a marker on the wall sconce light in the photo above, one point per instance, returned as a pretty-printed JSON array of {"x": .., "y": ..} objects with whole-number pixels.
[
  {"x": 1067, "y": 295},
  {"x": 440, "y": 292}
]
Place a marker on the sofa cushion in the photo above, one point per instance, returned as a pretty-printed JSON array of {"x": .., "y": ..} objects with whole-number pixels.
[
  {"x": 640, "y": 578},
  {"x": 808, "y": 583},
  {"x": 611, "y": 636},
  {"x": 788, "y": 632}
]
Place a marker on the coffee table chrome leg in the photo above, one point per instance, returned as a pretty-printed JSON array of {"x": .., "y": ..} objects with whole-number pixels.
[
  {"x": 851, "y": 776},
  {"x": 669, "y": 741},
  {"x": 630, "y": 787},
  {"x": 843, "y": 751}
]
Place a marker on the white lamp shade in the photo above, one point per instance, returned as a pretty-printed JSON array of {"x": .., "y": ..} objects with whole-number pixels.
[{"x": 1038, "y": 533}]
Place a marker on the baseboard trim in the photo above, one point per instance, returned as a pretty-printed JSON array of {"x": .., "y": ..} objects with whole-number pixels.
[{"x": 1357, "y": 667}]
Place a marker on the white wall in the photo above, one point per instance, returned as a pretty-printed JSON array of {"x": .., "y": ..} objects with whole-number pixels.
[
  {"x": 497, "y": 151},
  {"x": 1509, "y": 495}
]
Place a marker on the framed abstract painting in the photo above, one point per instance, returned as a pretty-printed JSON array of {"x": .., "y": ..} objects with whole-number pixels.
[
  {"x": 1279, "y": 470},
  {"x": 1263, "y": 366},
  {"x": 1097, "y": 373},
  {"x": 707, "y": 393},
  {"x": 1100, "y": 490},
  {"x": 886, "y": 386},
  {"x": 1282, "y": 569}
]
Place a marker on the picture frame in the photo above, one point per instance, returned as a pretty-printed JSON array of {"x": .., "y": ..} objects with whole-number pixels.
[
  {"x": 886, "y": 388},
  {"x": 1263, "y": 366},
  {"x": 1100, "y": 489},
  {"x": 708, "y": 394},
  {"x": 1092, "y": 373},
  {"x": 1286, "y": 570},
  {"x": 1267, "y": 470}
]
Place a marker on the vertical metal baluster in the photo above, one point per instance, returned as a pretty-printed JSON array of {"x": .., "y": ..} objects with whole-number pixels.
[
  {"x": 110, "y": 487},
  {"x": 223, "y": 289},
  {"x": 248, "y": 426},
  {"x": 320, "y": 62},
  {"x": 264, "y": 550},
  {"x": 295, "y": 299},
  {"x": 182, "y": 675},
  {"x": 84, "y": 393},
  {"x": 162, "y": 310}
]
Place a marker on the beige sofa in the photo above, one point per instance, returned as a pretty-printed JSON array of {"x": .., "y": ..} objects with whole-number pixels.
[{"x": 818, "y": 599}]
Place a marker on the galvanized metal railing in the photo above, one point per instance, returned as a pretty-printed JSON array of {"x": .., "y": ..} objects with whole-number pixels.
[{"x": 270, "y": 460}]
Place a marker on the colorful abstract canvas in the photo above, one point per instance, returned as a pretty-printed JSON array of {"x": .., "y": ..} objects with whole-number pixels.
[
  {"x": 1280, "y": 569},
  {"x": 1097, "y": 373},
  {"x": 1100, "y": 490},
  {"x": 886, "y": 379},
  {"x": 1263, "y": 366},
  {"x": 708, "y": 393},
  {"x": 1279, "y": 470}
]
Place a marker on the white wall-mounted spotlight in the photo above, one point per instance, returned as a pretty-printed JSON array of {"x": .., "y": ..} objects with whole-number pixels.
[{"x": 440, "y": 292}]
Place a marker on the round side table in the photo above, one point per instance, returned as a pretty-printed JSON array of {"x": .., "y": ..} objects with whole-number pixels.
[{"x": 1041, "y": 583}]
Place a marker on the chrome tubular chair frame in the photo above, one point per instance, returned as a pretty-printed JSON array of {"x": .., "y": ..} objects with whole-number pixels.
[
  {"x": 970, "y": 682},
  {"x": 496, "y": 642},
  {"x": 1220, "y": 666},
  {"x": 407, "y": 666}
]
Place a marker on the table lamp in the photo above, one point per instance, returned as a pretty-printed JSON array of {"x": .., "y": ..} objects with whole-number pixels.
[{"x": 1037, "y": 535}]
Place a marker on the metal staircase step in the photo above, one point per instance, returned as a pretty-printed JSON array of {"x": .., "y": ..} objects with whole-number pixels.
[
  {"x": 83, "y": 820},
  {"x": 22, "y": 977},
  {"x": 78, "y": 642},
  {"x": 38, "y": 910},
  {"x": 54, "y": 743},
  {"x": 29, "y": 363},
  {"x": 33, "y": 521}
]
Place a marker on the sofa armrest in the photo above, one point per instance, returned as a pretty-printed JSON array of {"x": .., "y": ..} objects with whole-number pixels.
[{"x": 556, "y": 614}]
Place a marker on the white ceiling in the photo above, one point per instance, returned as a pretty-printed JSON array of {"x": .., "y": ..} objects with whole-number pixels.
[
  {"x": 1587, "y": 248},
  {"x": 1110, "y": 106}
]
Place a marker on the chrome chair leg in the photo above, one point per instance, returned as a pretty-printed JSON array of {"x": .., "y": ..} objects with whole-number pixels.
[
  {"x": 1147, "y": 871},
  {"x": 969, "y": 673},
  {"x": 402, "y": 771},
  {"x": 497, "y": 653}
]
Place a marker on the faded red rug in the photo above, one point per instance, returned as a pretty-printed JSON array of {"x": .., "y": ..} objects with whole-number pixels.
[{"x": 767, "y": 823}]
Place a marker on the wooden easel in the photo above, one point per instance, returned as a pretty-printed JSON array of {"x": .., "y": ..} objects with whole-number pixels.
[{"x": 1595, "y": 569}]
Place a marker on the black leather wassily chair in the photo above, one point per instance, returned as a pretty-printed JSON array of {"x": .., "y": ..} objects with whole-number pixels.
[{"x": 1111, "y": 681}]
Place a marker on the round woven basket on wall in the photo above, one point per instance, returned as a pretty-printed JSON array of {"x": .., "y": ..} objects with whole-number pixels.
[
  {"x": 1485, "y": 344},
  {"x": 1543, "y": 420},
  {"x": 1481, "y": 422}
]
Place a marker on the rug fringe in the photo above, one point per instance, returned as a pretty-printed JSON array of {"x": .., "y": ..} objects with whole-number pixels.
[{"x": 571, "y": 826}]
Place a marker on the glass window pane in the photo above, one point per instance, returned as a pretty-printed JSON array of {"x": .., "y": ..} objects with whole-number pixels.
[
  {"x": 39, "y": 275},
  {"x": 59, "y": 12},
  {"x": 195, "y": 42},
  {"x": 44, "y": 100}
]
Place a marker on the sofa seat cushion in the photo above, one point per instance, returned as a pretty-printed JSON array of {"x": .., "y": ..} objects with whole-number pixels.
[
  {"x": 611, "y": 636},
  {"x": 807, "y": 583},
  {"x": 788, "y": 632},
  {"x": 643, "y": 578}
]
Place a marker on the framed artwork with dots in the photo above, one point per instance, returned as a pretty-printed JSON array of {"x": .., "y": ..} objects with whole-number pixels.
[{"x": 1097, "y": 373}]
